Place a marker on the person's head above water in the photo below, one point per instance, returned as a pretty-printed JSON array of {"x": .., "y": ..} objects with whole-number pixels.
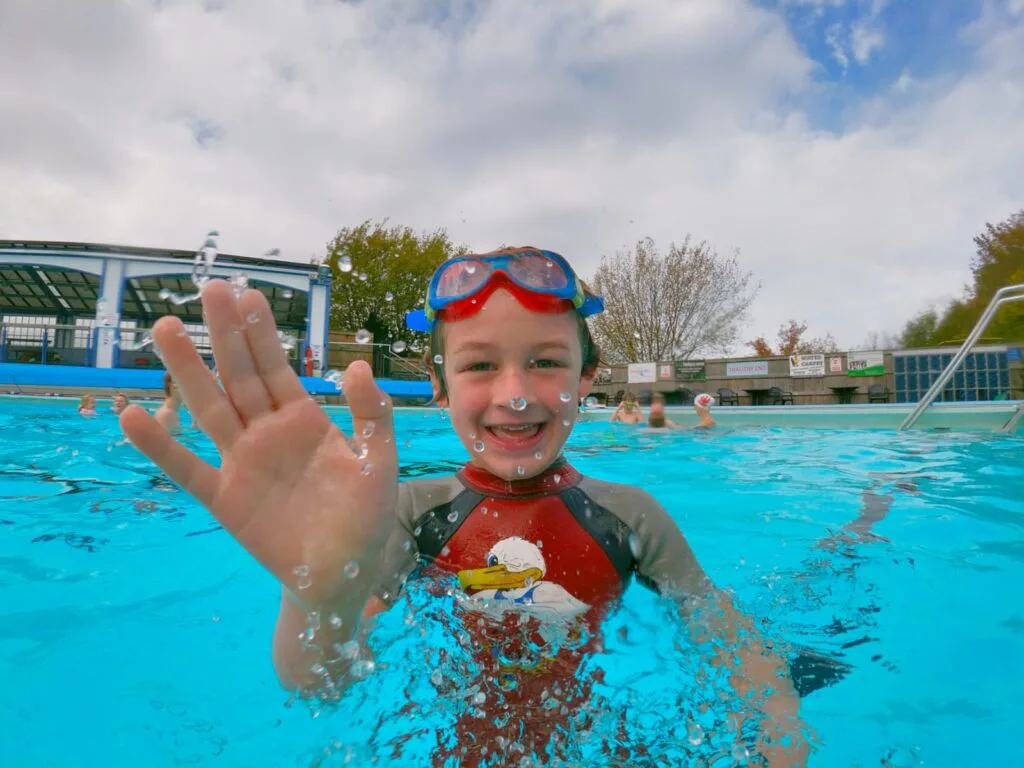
[
  {"x": 510, "y": 354},
  {"x": 656, "y": 415}
]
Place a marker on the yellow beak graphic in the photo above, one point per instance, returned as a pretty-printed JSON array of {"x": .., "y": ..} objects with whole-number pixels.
[{"x": 498, "y": 577}]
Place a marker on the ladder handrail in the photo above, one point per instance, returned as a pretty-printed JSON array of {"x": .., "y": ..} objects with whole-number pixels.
[{"x": 1001, "y": 297}]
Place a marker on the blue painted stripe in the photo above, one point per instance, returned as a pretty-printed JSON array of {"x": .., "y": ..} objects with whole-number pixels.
[{"x": 35, "y": 375}]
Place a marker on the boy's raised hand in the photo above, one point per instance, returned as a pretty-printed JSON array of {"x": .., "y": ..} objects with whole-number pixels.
[{"x": 291, "y": 489}]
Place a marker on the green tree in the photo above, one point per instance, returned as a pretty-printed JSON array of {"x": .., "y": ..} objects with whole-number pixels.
[
  {"x": 397, "y": 264},
  {"x": 998, "y": 262}
]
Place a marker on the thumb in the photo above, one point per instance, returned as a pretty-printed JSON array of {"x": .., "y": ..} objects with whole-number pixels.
[{"x": 372, "y": 412}]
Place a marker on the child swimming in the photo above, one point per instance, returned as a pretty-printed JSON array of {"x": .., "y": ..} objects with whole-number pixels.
[
  {"x": 330, "y": 520},
  {"x": 87, "y": 405},
  {"x": 120, "y": 403},
  {"x": 628, "y": 411}
]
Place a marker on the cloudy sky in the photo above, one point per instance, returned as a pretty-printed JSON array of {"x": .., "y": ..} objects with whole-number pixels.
[{"x": 849, "y": 149}]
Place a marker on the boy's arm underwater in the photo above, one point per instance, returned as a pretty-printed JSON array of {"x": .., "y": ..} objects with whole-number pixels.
[{"x": 759, "y": 675}]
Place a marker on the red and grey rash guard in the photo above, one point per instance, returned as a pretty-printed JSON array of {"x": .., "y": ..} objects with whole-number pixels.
[{"x": 561, "y": 543}]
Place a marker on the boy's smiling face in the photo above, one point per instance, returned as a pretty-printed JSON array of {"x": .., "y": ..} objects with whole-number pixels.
[{"x": 508, "y": 371}]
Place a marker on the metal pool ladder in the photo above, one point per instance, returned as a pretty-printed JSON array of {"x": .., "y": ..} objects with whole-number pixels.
[{"x": 1003, "y": 296}]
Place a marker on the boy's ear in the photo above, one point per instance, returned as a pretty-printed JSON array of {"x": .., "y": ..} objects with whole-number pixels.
[
  {"x": 438, "y": 398},
  {"x": 587, "y": 381}
]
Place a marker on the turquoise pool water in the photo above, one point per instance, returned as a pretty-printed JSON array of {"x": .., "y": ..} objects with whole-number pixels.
[{"x": 134, "y": 632}]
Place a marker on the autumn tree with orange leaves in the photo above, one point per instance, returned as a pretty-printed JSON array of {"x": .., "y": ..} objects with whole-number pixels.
[{"x": 790, "y": 342}]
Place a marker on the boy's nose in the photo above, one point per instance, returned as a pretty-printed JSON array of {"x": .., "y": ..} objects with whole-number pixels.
[{"x": 512, "y": 390}]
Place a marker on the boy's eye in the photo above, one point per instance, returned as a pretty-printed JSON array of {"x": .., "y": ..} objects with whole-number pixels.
[
  {"x": 548, "y": 363},
  {"x": 479, "y": 366}
]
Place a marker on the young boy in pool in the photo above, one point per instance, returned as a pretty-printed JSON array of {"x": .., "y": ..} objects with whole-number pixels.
[
  {"x": 628, "y": 411},
  {"x": 522, "y": 531}
]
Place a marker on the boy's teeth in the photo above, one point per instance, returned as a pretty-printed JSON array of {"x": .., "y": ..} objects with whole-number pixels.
[{"x": 524, "y": 430}]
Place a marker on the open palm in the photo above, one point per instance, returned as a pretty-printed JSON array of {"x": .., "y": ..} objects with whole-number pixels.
[{"x": 302, "y": 499}]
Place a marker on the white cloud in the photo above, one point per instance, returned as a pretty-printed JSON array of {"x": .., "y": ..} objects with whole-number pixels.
[
  {"x": 865, "y": 40},
  {"x": 582, "y": 126}
]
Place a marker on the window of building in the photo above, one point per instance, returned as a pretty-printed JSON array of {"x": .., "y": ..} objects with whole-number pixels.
[{"x": 983, "y": 375}]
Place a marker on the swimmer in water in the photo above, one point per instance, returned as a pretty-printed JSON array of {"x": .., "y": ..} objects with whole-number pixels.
[
  {"x": 331, "y": 521},
  {"x": 656, "y": 418},
  {"x": 628, "y": 411},
  {"x": 87, "y": 405},
  {"x": 120, "y": 403},
  {"x": 167, "y": 415}
]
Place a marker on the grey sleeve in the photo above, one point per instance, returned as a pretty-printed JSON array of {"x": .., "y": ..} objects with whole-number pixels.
[
  {"x": 665, "y": 562},
  {"x": 415, "y": 497}
]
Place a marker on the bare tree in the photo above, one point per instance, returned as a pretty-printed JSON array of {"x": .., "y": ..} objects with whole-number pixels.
[
  {"x": 661, "y": 307},
  {"x": 883, "y": 340}
]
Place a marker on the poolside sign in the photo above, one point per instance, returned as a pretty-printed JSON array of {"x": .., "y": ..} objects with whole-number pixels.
[
  {"x": 865, "y": 364},
  {"x": 690, "y": 370},
  {"x": 642, "y": 373},
  {"x": 806, "y": 365},
  {"x": 747, "y": 368}
]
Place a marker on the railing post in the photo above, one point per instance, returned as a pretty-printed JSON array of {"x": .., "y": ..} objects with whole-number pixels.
[{"x": 1002, "y": 296}]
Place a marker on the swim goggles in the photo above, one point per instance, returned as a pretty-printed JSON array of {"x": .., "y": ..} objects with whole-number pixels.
[{"x": 541, "y": 280}]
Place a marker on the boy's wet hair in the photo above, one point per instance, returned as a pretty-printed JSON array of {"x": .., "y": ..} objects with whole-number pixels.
[{"x": 591, "y": 352}]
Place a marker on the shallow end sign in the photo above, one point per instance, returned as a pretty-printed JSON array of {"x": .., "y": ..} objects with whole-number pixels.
[
  {"x": 746, "y": 368},
  {"x": 642, "y": 373}
]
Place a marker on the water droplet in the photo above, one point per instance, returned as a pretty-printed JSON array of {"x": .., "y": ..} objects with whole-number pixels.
[
  {"x": 307, "y": 635},
  {"x": 566, "y": 423},
  {"x": 165, "y": 293},
  {"x": 540, "y": 544},
  {"x": 363, "y": 336},
  {"x": 480, "y": 698},
  {"x": 347, "y": 651},
  {"x": 351, "y": 569},
  {"x": 398, "y": 347},
  {"x": 695, "y": 734},
  {"x": 366, "y": 469},
  {"x": 636, "y": 334},
  {"x": 287, "y": 340},
  {"x": 239, "y": 283},
  {"x": 520, "y": 470},
  {"x": 565, "y": 397},
  {"x": 417, "y": 530},
  {"x": 470, "y": 269},
  {"x": 439, "y": 359},
  {"x": 478, "y": 446},
  {"x": 634, "y": 545},
  {"x": 363, "y": 668},
  {"x": 453, "y": 516},
  {"x": 336, "y": 621},
  {"x": 483, "y": 510},
  {"x": 445, "y": 551},
  {"x": 436, "y": 677},
  {"x": 335, "y": 377},
  {"x": 362, "y": 276},
  {"x": 407, "y": 545},
  {"x": 740, "y": 754},
  {"x": 517, "y": 403},
  {"x": 368, "y": 429},
  {"x": 252, "y": 318},
  {"x": 345, "y": 263},
  {"x": 538, "y": 455},
  {"x": 287, "y": 293},
  {"x": 317, "y": 668},
  {"x": 389, "y": 296}
]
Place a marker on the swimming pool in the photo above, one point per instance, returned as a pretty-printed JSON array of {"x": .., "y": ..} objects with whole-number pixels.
[{"x": 133, "y": 631}]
